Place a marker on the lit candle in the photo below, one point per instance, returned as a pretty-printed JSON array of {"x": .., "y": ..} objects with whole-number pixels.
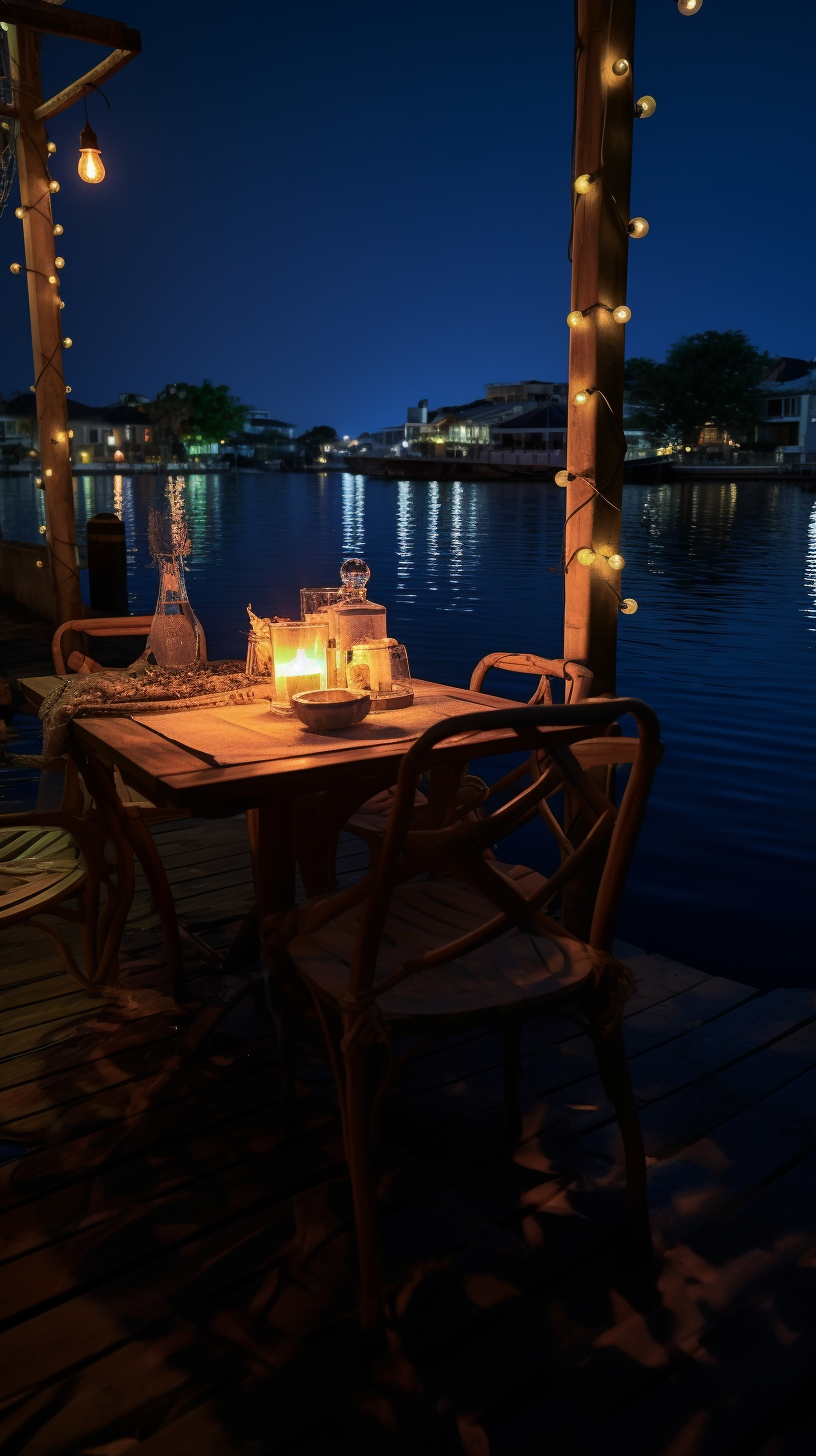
[{"x": 303, "y": 674}]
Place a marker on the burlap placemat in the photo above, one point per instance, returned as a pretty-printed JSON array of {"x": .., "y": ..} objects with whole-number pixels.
[{"x": 252, "y": 733}]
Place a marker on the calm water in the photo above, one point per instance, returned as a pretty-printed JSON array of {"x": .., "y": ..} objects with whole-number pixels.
[{"x": 722, "y": 647}]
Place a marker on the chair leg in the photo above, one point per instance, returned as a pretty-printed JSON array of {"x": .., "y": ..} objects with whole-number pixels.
[
  {"x": 149, "y": 858},
  {"x": 511, "y": 1065},
  {"x": 357, "y": 1135},
  {"x": 614, "y": 1071}
]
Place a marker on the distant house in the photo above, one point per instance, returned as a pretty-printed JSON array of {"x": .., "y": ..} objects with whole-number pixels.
[
  {"x": 788, "y": 423},
  {"x": 18, "y": 426},
  {"x": 539, "y": 429},
  {"x": 460, "y": 429},
  {"x": 261, "y": 422}
]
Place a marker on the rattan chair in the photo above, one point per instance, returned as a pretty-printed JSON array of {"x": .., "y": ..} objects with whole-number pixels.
[
  {"x": 136, "y": 813},
  {"x": 50, "y": 859},
  {"x": 398, "y": 956}
]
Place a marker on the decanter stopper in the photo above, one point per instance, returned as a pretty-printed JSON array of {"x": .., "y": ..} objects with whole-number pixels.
[{"x": 354, "y": 573}]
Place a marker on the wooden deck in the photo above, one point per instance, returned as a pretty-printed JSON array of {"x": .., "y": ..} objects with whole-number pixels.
[{"x": 178, "y": 1277}]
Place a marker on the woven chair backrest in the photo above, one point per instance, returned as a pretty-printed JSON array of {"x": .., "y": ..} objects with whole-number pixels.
[
  {"x": 577, "y": 679},
  {"x": 575, "y": 739}
]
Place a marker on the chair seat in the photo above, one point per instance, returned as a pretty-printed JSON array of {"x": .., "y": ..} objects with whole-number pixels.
[
  {"x": 38, "y": 867},
  {"x": 521, "y": 966}
]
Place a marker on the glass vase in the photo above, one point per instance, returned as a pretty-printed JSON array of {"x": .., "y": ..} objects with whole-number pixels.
[{"x": 174, "y": 636}]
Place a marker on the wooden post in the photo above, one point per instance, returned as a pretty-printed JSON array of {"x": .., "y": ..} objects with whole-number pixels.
[
  {"x": 107, "y": 565},
  {"x": 46, "y": 326},
  {"x": 604, "y": 106}
]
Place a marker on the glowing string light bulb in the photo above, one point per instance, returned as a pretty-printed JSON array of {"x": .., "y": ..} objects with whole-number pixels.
[
  {"x": 51, "y": 147},
  {"x": 14, "y": 267},
  {"x": 585, "y": 181},
  {"x": 689, "y": 7},
  {"x": 61, "y": 302},
  {"x": 59, "y": 262},
  {"x": 581, "y": 397},
  {"x": 563, "y": 477},
  {"x": 621, "y": 314},
  {"x": 638, "y": 227},
  {"x": 58, "y": 230},
  {"x": 620, "y": 67},
  {"x": 586, "y": 556},
  {"x": 52, "y": 278},
  {"x": 90, "y": 166},
  {"x": 53, "y": 186},
  {"x": 645, "y": 106},
  {"x": 616, "y": 562},
  {"x": 19, "y": 212},
  {"x": 67, "y": 343},
  {"x": 628, "y": 606},
  {"x": 575, "y": 318}
]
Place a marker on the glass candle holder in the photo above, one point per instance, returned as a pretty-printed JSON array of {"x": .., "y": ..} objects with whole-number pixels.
[
  {"x": 368, "y": 665},
  {"x": 317, "y": 599},
  {"x": 300, "y": 658}
]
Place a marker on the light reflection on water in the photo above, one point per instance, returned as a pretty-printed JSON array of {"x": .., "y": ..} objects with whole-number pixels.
[{"x": 722, "y": 647}]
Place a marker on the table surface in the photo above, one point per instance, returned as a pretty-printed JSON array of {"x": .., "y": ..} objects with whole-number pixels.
[{"x": 177, "y": 777}]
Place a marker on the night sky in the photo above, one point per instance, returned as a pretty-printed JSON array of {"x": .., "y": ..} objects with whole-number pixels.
[{"x": 338, "y": 208}]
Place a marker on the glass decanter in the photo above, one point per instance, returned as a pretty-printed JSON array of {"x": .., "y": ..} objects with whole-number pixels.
[
  {"x": 174, "y": 636},
  {"x": 175, "y": 639}
]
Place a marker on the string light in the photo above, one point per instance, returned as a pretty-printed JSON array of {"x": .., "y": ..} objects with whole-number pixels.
[
  {"x": 61, "y": 302},
  {"x": 563, "y": 477},
  {"x": 628, "y": 606},
  {"x": 14, "y": 267},
  {"x": 575, "y": 318},
  {"x": 616, "y": 562},
  {"x": 637, "y": 227},
  {"x": 67, "y": 343},
  {"x": 581, "y": 397},
  {"x": 53, "y": 186},
  {"x": 51, "y": 147},
  {"x": 59, "y": 262},
  {"x": 689, "y": 7},
  {"x": 585, "y": 181},
  {"x": 645, "y": 106},
  {"x": 48, "y": 472},
  {"x": 620, "y": 68},
  {"x": 51, "y": 278},
  {"x": 586, "y": 556},
  {"x": 58, "y": 230},
  {"x": 20, "y": 212},
  {"x": 621, "y": 314},
  {"x": 90, "y": 166}
]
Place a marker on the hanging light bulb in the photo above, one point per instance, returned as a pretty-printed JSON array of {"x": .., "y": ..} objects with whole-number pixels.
[
  {"x": 620, "y": 67},
  {"x": 645, "y": 106},
  {"x": 563, "y": 477},
  {"x": 575, "y": 318},
  {"x": 51, "y": 147},
  {"x": 48, "y": 472},
  {"x": 638, "y": 227},
  {"x": 621, "y": 314},
  {"x": 90, "y": 165},
  {"x": 61, "y": 302},
  {"x": 61, "y": 437},
  {"x": 53, "y": 185},
  {"x": 14, "y": 267},
  {"x": 586, "y": 556},
  {"x": 52, "y": 278},
  {"x": 689, "y": 7},
  {"x": 67, "y": 343},
  {"x": 615, "y": 561},
  {"x": 58, "y": 230},
  {"x": 19, "y": 212},
  {"x": 585, "y": 181},
  {"x": 628, "y": 606},
  {"x": 581, "y": 397},
  {"x": 59, "y": 262}
]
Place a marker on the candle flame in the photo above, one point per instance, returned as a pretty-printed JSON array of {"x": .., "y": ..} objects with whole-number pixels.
[{"x": 300, "y": 665}]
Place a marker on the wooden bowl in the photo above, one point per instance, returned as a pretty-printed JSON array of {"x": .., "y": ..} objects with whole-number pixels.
[{"x": 329, "y": 708}]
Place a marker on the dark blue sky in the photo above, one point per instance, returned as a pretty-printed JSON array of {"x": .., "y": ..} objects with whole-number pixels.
[{"x": 337, "y": 208}]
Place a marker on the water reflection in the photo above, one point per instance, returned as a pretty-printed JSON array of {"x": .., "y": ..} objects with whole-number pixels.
[{"x": 722, "y": 647}]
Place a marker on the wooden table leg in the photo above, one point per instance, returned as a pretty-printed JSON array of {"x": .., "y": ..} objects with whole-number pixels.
[{"x": 272, "y": 840}]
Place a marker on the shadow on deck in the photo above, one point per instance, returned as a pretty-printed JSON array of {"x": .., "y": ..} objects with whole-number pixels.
[{"x": 178, "y": 1277}]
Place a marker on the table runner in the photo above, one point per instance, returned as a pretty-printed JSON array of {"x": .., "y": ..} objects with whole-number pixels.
[{"x": 227, "y": 736}]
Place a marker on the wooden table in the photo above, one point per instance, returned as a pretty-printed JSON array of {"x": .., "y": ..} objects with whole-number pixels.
[{"x": 178, "y": 778}]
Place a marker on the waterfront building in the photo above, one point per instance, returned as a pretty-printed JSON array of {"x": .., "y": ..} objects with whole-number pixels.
[{"x": 788, "y": 422}]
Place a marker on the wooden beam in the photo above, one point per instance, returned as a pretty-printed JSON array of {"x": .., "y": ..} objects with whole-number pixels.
[
  {"x": 46, "y": 331},
  {"x": 114, "y": 62},
  {"x": 604, "y": 106},
  {"x": 70, "y": 24}
]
